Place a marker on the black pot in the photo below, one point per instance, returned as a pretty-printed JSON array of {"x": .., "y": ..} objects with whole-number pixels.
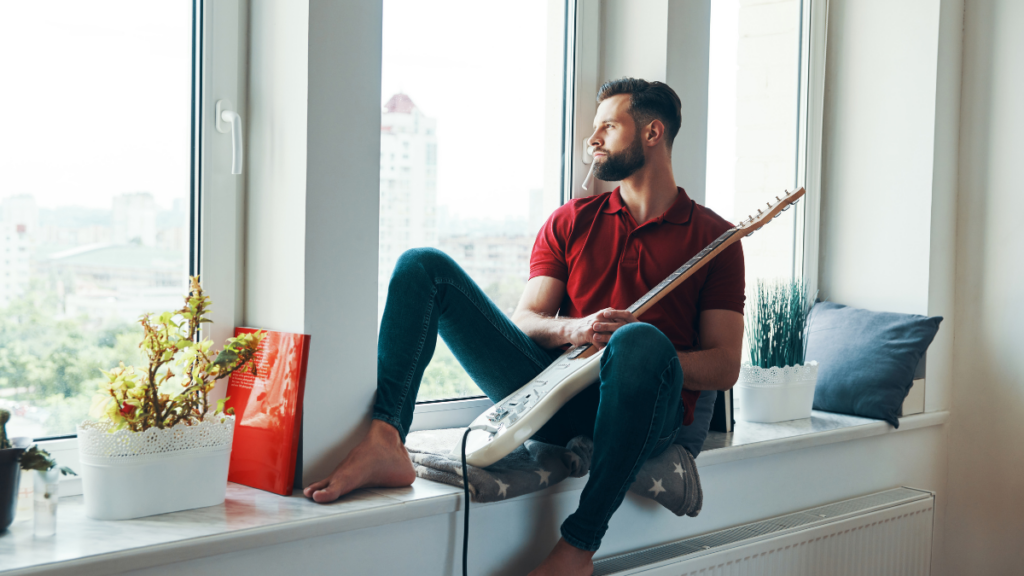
[{"x": 10, "y": 474}]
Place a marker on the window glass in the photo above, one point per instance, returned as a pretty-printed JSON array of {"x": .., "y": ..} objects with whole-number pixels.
[
  {"x": 470, "y": 145},
  {"x": 95, "y": 145},
  {"x": 754, "y": 127}
]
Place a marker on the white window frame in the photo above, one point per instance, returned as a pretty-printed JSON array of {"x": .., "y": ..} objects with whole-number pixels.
[{"x": 220, "y": 72}]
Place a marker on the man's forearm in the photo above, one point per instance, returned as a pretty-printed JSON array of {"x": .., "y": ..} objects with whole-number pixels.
[
  {"x": 715, "y": 369},
  {"x": 546, "y": 331}
]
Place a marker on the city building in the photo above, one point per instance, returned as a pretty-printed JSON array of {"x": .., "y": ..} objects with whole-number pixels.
[
  {"x": 135, "y": 219},
  {"x": 408, "y": 185}
]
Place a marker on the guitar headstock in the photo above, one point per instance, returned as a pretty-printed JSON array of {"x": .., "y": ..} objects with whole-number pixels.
[{"x": 754, "y": 223}]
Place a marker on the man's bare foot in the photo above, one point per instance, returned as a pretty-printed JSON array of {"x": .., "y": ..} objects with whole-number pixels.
[
  {"x": 379, "y": 461},
  {"x": 566, "y": 560}
]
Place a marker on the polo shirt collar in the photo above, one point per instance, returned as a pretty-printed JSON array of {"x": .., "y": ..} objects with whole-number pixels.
[{"x": 679, "y": 213}]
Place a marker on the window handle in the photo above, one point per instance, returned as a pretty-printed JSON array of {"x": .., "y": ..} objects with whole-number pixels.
[{"x": 226, "y": 116}]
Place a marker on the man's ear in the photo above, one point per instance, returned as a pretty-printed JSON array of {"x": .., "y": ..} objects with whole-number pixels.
[{"x": 654, "y": 133}]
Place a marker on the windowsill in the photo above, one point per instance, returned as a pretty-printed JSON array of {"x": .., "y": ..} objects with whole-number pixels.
[{"x": 252, "y": 518}]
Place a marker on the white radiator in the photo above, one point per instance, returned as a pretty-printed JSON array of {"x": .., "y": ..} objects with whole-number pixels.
[{"x": 883, "y": 534}]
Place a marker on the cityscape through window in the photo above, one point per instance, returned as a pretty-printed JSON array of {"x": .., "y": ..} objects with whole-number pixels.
[
  {"x": 467, "y": 163},
  {"x": 95, "y": 132}
]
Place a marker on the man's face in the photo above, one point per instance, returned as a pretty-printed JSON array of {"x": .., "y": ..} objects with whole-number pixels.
[{"x": 618, "y": 151}]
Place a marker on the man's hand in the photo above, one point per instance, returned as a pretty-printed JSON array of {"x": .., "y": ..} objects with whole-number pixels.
[{"x": 597, "y": 328}]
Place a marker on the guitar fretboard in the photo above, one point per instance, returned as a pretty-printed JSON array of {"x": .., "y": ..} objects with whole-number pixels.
[
  {"x": 682, "y": 270},
  {"x": 690, "y": 264}
]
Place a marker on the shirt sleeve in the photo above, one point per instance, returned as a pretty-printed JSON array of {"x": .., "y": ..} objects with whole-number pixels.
[
  {"x": 549, "y": 249},
  {"x": 725, "y": 283}
]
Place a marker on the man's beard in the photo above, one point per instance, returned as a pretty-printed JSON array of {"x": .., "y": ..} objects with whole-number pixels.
[{"x": 622, "y": 165}]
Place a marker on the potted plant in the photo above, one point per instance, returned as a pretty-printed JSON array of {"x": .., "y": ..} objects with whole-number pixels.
[
  {"x": 776, "y": 385},
  {"x": 14, "y": 457},
  {"x": 157, "y": 445}
]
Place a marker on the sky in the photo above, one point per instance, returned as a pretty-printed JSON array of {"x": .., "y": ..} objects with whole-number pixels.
[
  {"x": 478, "y": 67},
  {"x": 96, "y": 100}
]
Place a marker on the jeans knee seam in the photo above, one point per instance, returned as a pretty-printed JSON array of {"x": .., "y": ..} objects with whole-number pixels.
[
  {"x": 419, "y": 350},
  {"x": 451, "y": 282}
]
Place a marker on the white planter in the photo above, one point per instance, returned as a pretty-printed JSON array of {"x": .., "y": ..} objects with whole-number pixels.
[
  {"x": 133, "y": 474},
  {"x": 775, "y": 394}
]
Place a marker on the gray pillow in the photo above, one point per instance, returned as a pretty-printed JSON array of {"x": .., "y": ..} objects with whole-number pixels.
[{"x": 866, "y": 360}]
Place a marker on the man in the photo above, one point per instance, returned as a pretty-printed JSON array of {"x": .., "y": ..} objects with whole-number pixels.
[{"x": 591, "y": 260}]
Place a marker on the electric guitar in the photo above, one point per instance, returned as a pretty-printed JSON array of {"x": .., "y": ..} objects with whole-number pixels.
[{"x": 506, "y": 425}]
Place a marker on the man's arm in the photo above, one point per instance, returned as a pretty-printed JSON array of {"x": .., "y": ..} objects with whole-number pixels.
[
  {"x": 536, "y": 316},
  {"x": 716, "y": 366}
]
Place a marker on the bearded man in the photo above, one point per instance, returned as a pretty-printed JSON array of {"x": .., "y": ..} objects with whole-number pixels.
[{"x": 592, "y": 258}]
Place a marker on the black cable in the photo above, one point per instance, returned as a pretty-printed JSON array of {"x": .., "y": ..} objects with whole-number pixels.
[{"x": 465, "y": 519}]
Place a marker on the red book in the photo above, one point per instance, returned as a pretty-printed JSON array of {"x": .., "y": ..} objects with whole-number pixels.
[{"x": 268, "y": 412}]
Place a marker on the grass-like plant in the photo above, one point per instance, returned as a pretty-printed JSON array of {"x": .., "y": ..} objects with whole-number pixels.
[
  {"x": 777, "y": 324},
  {"x": 182, "y": 370}
]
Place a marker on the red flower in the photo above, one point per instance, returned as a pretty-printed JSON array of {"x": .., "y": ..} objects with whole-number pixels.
[{"x": 127, "y": 410}]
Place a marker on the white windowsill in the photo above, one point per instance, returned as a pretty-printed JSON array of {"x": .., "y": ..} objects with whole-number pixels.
[{"x": 252, "y": 518}]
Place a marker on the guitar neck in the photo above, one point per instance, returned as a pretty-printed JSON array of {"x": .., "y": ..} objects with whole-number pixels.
[
  {"x": 673, "y": 280},
  {"x": 729, "y": 237},
  {"x": 676, "y": 278}
]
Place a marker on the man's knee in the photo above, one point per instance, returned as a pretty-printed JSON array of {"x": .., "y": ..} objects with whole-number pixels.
[
  {"x": 430, "y": 260},
  {"x": 641, "y": 340},
  {"x": 638, "y": 352}
]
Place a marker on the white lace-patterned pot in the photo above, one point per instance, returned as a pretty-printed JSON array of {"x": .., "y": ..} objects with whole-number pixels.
[
  {"x": 775, "y": 394},
  {"x": 133, "y": 474}
]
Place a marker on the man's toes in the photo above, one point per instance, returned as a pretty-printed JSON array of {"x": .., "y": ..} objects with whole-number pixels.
[
  {"x": 325, "y": 495},
  {"x": 309, "y": 490}
]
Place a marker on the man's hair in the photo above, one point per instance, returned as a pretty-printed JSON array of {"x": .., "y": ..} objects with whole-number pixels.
[{"x": 647, "y": 101}]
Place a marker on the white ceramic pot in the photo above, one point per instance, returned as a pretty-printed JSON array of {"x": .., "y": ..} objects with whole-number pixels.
[
  {"x": 133, "y": 474},
  {"x": 775, "y": 394}
]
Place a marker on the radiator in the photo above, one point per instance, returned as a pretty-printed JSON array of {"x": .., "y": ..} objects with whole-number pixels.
[{"x": 887, "y": 533}]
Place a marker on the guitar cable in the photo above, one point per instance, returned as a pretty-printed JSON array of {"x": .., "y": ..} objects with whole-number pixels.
[{"x": 465, "y": 519}]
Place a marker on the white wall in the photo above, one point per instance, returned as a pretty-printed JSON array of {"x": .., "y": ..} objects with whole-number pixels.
[
  {"x": 878, "y": 153},
  {"x": 664, "y": 41},
  {"x": 276, "y": 164},
  {"x": 986, "y": 472},
  {"x": 510, "y": 538},
  {"x": 686, "y": 71},
  {"x": 342, "y": 220},
  {"x": 314, "y": 168},
  {"x": 888, "y": 164}
]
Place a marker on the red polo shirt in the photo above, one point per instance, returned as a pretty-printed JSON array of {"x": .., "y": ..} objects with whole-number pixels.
[{"x": 595, "y": 246}]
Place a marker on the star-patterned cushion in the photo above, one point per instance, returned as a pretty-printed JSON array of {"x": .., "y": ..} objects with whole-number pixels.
[{"x": 670, "y": 479}]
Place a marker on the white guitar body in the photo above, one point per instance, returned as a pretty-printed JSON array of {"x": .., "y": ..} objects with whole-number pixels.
[{"x": 509, "y": 423}]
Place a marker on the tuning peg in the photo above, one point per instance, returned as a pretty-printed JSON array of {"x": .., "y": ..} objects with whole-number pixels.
[
  {"x": 779, "y": 199},
  {"x": 758, "y": 211}
]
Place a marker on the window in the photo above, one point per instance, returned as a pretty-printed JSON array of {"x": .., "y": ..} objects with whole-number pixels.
[
  {"x": 756, "y": 126},
  {"x": 471, "y": 145},
  {"x": 96, "y": 133}
]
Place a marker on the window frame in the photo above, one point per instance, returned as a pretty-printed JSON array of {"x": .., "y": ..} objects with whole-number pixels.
[{"x": 219, "y": 51}]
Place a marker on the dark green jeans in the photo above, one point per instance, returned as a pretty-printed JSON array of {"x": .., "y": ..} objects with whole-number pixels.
[{"x": 632, "y": 414}]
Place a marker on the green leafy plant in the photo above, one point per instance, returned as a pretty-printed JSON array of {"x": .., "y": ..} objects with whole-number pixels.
[
  {"x": 777, "y": 324},
  {"x": 182, "y": 371},
  {"x": 35, "y": 458}
]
